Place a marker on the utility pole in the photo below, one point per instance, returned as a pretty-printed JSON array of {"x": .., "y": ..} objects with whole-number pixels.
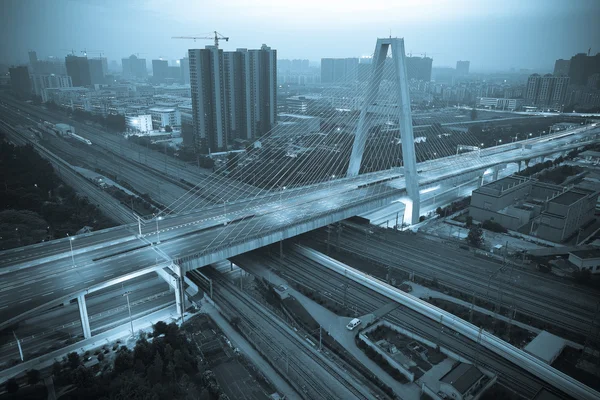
[
  {"x": 472, "y": 307},
  {"x": 320, "y": 338},
  {"x": 19, "y": 345},
  {"x": 126, "y": 294}
]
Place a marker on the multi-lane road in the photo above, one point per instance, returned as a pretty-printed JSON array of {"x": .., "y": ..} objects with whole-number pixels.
[
  {"x": 186, "y": 235},
  {"x": 108, "y": 308}
]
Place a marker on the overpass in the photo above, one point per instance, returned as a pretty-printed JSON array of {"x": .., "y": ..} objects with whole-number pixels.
[
  {"x": 44, "y": 275},
  {"x": 197, "y": 238}
]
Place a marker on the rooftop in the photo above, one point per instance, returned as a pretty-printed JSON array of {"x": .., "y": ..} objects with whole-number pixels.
[
  {"x": 587, "y": 254},
  {"x": 497, "y": 187},
  {"x": 571, "y": 196},
  {"x": 546, "y": 346},
  {"x": 462, "y": 377}
]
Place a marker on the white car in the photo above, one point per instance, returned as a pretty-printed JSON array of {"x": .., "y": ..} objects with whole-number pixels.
[{"x": 353, "y": 324}]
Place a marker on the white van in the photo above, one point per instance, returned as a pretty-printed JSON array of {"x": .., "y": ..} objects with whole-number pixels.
[{"x": 353, "y": 324}]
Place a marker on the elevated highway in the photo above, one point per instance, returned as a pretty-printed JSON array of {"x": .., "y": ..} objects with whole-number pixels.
[{"x": 197, "y": 238}]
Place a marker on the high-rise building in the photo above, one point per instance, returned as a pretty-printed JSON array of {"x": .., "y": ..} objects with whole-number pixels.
[
  {"x": 19, "y": 81},
  {"x": 134, "y": 67},
  {"x": 160, "y": 70},
  {"x": 104, "y": 62},
  {"x": 208, "y": 99},
  {"x": 547, "y": 90},
  {"x": 419, "y": 68},
  {"x": 233, "y": 94},
  {"x": 339, "y": 70},
  {"x": 185, "y": 70},
  {"x": 78, "y": 69},
  {"x": 561, "y": 67},
  {"x": 462, "y": 67},
  {"x": 582, "y": 67},
  {"x": 96, "y": 71},
  {"x": 44, "y": 81},
  {"x": 33, "y": 60}
]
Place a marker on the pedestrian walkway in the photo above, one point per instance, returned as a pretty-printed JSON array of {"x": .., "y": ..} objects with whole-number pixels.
[
  {"x": 245, "y": 347},
  {"x": 335, "y": 326},
  {"x": 426, "y": 293}
]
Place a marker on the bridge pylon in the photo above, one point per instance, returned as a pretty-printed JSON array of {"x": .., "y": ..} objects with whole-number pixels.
[{"x": 406, "y": 128}]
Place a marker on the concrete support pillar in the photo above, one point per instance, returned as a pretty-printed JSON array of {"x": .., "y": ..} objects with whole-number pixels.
[
  {"x": 406, "y": 128},
  {"x": 495, "y": 172},
  {"x": 542, "y": 159},
  {"x": 480, "y": 180},
  {"x": 527, "y": 163},
  {"x": 519, "y": 164},
  {"x": 85, "y": 321}
]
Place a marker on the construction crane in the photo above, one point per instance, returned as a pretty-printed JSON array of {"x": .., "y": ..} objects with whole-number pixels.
[{"x": 216, "y": 38}]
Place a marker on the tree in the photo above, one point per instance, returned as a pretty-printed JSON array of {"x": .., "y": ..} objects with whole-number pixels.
[
  {"x": 475, "y": 236},
  {"x": 473, "y": 114},
  {"x": 159, "y": 328},
  {"x": 73, "y": 359},
  {"x": 33, "y": 376},
  {"x": 12, "y": 386},
  {"x": 469, "y": 221},
  {"x": 439, "y": 211},
  {"x": 168, "y": 129}
]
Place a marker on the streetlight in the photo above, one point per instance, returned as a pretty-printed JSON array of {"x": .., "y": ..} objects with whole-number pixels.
[
  {"x": 281, "y": 192},
  {"x": 157, "y": 232},
  {"x": 498, "y": 141},
  {"x": 71, "y": 238},
  {"x": 332, "y": 178},
  {"x": 126, "y": 294}
]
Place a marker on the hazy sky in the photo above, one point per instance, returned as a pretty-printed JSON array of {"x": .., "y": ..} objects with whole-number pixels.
[{"x": 491, "y": 34}]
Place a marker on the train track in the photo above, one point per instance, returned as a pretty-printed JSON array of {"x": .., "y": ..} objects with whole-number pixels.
[
  {"x": 364, "y": 301},
  {"x": 110, "y": 206},
  {"x": 577, "y": 319},
  {"x": 315, "y": 382}
]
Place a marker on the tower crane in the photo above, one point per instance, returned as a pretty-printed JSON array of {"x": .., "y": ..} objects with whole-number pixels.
[{"x": 217, "y": 37}]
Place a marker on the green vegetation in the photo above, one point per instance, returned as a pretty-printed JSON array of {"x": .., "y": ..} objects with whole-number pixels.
[
  {"x": 163, "y": 367},
  {"x": 115, "y": 122},
  {"x": 475, "y": 236},
  {"x": 455, "y": 206},
  {"x": 37, "y": 205},
  {"x": 559, "y": 174},
  {"x": 491, "y": 225}
]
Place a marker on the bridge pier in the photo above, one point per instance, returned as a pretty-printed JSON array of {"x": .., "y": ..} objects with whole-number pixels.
[
  {"x": 480, "y": 180},
  {"x": 406, "y": 128},
  {"x": 495, "y": 170},
  {"x": 85, "y": 321},
  {"x": 519, "y": 165}
]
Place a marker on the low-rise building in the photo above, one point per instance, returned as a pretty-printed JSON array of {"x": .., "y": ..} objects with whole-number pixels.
[
  {"x": 497, "y": 103},
  {"x": 161, "y": 117},
  {"x": 138, "y": 123},
  {"x": 464, "y": 381},
  {"x": 586, "y": 260},
  {"x": 565, "y": 213},
  {"x": 550, "y": 212}
]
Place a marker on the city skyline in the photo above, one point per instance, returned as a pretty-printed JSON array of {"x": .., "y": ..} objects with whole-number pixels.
[{"x": 469, "y": 30}]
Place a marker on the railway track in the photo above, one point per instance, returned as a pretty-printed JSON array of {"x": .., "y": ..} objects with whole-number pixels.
[
  {"x": 314, "y": 381},
  {"x": 558, "y": 312},
  {"x": 298, "y": 268}
]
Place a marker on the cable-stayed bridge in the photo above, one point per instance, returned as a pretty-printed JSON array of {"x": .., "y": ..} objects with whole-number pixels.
[{"x": 213, "y": 222}]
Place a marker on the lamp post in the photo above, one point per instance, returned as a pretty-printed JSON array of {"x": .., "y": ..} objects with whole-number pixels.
[
  {"x": 71, "y": 238},
  {"x": 281, "y": 192},
  {"x": 498, "y": 141},
  {"x": 126, "y": 294},
  {"x": 157, "y": 218}
]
